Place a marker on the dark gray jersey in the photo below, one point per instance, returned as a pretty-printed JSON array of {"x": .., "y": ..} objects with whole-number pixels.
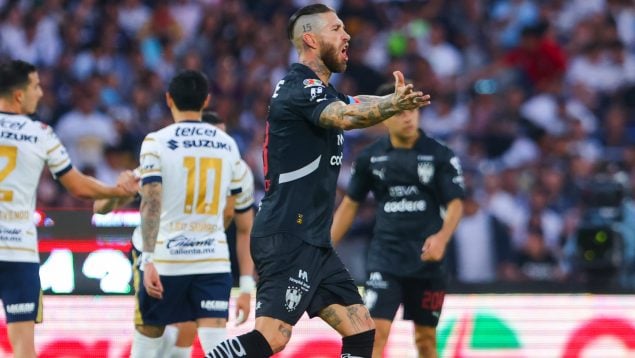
[
  {"x": 411, "y": 188},
  {"x": 301, "y": 160}
]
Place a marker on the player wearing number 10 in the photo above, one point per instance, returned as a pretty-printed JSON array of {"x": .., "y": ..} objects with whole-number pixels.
[
  {"x": 189, "y": 175},
  {"x": 25, "y": 147}
]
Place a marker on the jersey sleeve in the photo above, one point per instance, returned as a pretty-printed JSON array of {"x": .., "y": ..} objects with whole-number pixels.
[
  {"x": 150, "y": 159},
  {"x": 57, "y": 159},
  {"x": 450, "y": 180},
  {"x": 361, "y": 179},
  {"x": 235, "y": 186},
  {"x": 311, "y": 97},
  {"x": 245, "y": 200}
]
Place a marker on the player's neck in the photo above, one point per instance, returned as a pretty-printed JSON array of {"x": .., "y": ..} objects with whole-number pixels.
[
  {"x": 318, "y": 66},
  {"x": 186, "y": 116},
  {"x": 9, "y": 106},
  {"x": 403, "y": 142}
]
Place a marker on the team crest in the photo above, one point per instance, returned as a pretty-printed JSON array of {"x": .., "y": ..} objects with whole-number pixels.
[
  {"x": 425, "y": 170},
  {"x": 311, "y": 82},
  {"x": 292, "y": 298},
  {"x": 370, "y": 299}
]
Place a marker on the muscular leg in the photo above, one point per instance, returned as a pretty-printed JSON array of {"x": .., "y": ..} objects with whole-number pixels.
[
  {"x": 348, "y": 320},
  {"x": 426, "y": 341},
  {"x": 382, "y": 331},
  {"x": 22, "y": 338},
  {"x": 276, "y": 332}
]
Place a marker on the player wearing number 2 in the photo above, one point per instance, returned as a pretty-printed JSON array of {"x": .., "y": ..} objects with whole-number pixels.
[
  {"x": 413, "y": 179},
  {"x": 25, "y": 147},
  {"x": 189, "y": 175}
]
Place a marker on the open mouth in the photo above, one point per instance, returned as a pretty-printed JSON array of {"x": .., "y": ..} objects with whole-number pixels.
[{"x": 344, "y": 53}]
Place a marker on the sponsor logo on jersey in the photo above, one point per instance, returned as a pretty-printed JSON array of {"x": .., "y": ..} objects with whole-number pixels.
[
  {"x": 213, "y": 305},
  {"x": 189, "y": 131},
  {"x": 425, "y": 170},
  {"x": 315, "y": 92},
  {"x": 18, "y": 137},
  {"x": 379, "y": 173},
  {"x": 405, "y": 206},
  {"x": 206, "y": 143},
  {"x": 402, "y": 190},
  {"x": 9, "y": 124},
  {"x": 381, "y": 158},
  {"x": 336, "y": 160},
  {"x": 172, "y": 144},
  {"x": 184, "y": 241},
  {"x": 21, "y": 308},
  {"x": 311, "y": 82}
]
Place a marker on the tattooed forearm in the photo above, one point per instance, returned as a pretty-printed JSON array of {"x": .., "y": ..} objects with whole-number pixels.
[
  {"x": 330, "y": 316},
  {"x": 150, "y": 215},
  {"x": 366, "y": 98},
  {"x": 359, "y": 115}
]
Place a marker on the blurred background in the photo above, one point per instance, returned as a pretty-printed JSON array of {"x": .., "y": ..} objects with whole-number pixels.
[{"x": 536, "y": 97}]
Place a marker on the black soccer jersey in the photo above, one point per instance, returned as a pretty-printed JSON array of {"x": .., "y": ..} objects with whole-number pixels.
[
  {"x": 411, "y": 187},
  {"x": 301, "y": 160}
]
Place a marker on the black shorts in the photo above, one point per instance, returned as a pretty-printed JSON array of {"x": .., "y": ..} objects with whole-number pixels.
[
  {"x": 422, "y": 298},
  {"x": 296, "y": 277},
  {"x": 20, "y": 291}
]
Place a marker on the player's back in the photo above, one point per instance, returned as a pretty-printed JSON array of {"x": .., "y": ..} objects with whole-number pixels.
[
  {"x": 25, "y": 147},
  {"x": 197, "y": 165}
]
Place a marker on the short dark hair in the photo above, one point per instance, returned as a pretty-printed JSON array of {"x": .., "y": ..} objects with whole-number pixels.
[
  {"x": 212, "y": 117},
  {"x": 307, "y": 10},
  {"x": 13, "y": 75},
  {"x": 188, "y": 90}
]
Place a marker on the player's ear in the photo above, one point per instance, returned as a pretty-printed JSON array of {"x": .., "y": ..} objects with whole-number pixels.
[
  {"x": 168, "y": 100},
  {"x": 310, "y": 40}
]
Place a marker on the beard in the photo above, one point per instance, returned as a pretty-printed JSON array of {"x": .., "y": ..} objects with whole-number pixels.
[{"x": 331, "y": 58}]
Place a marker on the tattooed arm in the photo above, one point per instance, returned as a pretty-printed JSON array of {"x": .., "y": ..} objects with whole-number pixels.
[
  {"x": 373, "y": 109},
  {"x": 150, "y": 214}
]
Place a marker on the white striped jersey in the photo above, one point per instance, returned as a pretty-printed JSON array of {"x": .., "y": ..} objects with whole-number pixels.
[
  {"x": 198, "y": 166},
  {"x": 245, "y": 200},
  {"x": 25, "y": 147}
]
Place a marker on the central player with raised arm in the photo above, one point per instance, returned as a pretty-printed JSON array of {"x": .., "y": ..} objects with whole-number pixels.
[{"x": 299, "y": 270}]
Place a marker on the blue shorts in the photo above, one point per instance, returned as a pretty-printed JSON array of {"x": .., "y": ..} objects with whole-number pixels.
[
  {"x": 185, "y": 298},
  {"x": 20, "y": 291}
]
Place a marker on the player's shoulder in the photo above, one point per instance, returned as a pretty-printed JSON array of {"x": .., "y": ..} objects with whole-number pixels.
[
  {"x": 427, "y": 143},
  {"x": 377, "y": 148}
]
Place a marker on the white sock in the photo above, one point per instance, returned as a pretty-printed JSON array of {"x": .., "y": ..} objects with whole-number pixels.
[
  {"x": 180, "y": 352},
  {"x": 144, "y": 347},
  {"x": 211, "y": 337},
  {"x": 168, "y": 340}
]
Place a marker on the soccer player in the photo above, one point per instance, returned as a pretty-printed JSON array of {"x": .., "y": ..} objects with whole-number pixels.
[
  {"x": 414, "y": 180},
  {"x": 290, "y": 243},
  {"x": 25, "y": 147},
  {"x": 190, "y": 174}
]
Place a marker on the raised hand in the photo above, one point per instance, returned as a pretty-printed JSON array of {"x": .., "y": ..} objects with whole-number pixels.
[
  {"x": 405, "y": 98},
  {"x": 128, "y": 181}
]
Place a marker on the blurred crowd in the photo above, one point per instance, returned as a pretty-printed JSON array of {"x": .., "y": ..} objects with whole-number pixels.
[{"x": 537, "y": 98}]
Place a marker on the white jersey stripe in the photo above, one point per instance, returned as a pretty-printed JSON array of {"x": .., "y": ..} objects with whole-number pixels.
[{"x": 300, "y": 173}]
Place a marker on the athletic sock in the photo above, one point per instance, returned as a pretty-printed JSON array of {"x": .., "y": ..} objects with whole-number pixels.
[
  {"x": 252, "y": 345},
  {"x": 211, "y": 336},
  {"x": 168, "y": 340},
  {"x": 144, "y": 347},
  {"x": 359, "y": 345},
  {"x": 180, "y": 352}
]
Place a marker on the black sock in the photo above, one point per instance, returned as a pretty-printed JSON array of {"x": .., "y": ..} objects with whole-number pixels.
[
  {"x": 358, "y": 345},
  {"x": 251, "y": 345}
]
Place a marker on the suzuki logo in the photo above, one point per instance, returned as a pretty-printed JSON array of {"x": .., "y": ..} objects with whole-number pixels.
[{"x": 172, "y": 144}]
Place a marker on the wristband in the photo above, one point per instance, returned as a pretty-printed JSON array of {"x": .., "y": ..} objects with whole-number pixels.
[
  {"x": 247, "y": 284},
  {"x": 146, "y": 257}
]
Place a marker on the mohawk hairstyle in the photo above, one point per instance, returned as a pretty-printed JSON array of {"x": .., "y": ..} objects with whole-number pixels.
[{"x": 307, "y": 10}]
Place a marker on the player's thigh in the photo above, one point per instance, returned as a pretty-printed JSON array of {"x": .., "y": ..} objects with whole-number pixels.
[
  {"x": 383, "y": 293},
  {"x": 289, "y": 275},
  {"x": 173, "y": 307},
  {"x": 423, "y": 300},
  {"x": 209, "y": 298},
  {"x": 20, "y": 291}
]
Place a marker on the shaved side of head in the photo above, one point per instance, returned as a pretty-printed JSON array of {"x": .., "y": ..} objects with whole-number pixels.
[{"x": 305, "y": 20}]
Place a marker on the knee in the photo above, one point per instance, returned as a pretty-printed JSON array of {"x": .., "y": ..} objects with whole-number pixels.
[
  {"x": 279, "y": 340},
  {"x": 426, "y": 341},
  {"x": 150, "y": 331}
]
